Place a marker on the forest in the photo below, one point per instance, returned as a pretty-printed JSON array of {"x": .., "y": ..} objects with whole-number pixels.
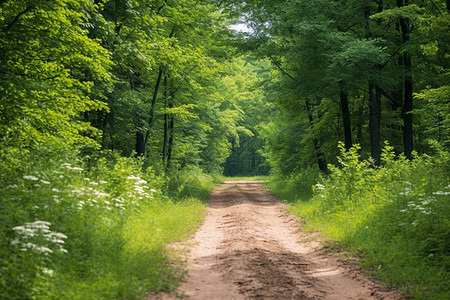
[{"x": 118, "y": 117}]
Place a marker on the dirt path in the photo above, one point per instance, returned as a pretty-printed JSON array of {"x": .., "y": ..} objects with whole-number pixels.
[{"x": 249, "y": 247}]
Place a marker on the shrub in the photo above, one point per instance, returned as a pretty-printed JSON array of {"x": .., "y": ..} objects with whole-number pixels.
[{"x": 396, "y": 214}]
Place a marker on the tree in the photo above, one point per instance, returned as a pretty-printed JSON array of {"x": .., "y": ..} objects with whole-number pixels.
[{"x": 48, "y": 67}]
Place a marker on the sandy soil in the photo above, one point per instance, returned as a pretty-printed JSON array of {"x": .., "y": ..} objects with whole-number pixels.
[{"x": 249, "y": 247}]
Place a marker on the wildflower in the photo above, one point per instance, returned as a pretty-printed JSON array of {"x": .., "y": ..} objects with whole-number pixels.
[
  {"x": 153, "y": 190},
  {"x": 320, "y": 186},
  {"x": 44, "y": 250},
  {"x": 56, "y": 190},
  {"x": 101, "y": 194},
  {"x": 102, "y": 182},
  {"x": 30, "y": 177},
  {"x": 59, "y": 235},
  {"x": 441, "y": 193},
  {"x": 132, "y": 177},
  {"x": 44, "y": 181},
  {"x": 47, "y": 272}
]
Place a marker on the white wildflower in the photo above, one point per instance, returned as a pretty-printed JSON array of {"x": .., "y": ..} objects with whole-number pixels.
[
  {"x": 132, "y": 177},
  {"x": 45, "y": 250},
  {"x": 59, "y": 235},
  {"x": 30, "y": 177},
  {"x": 47, "y": 272},
  {"x": 320, "y": 186},
  {"x": 44, "y": 181}
]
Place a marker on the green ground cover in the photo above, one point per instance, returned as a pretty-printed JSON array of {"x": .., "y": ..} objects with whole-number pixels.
[{"x": 396, "y": 216}]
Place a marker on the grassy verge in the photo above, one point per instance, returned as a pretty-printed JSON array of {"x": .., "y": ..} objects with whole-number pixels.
[
  {"x": 253, "y": 178},
  {"x": 140, "y": 263},
  {"x": 95, "y": 229},
  {"x": 396, "y": 215}
]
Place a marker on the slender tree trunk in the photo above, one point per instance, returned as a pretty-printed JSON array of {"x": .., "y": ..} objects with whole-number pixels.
[
  {"x": 374, "y": 100},
  {"x": 360, "y": 118},
  {"x": 345, "y": 116},
  {"x": 320, "y": 157},
  {"x": 408, "y": 90},
  {"x": 166, "y": 125},
  {"x": 374, "y": 122},
  {"x": 407, "y": 108},
  {"x": 170, "y": 145},
  {"x": 141, "y": 139}
]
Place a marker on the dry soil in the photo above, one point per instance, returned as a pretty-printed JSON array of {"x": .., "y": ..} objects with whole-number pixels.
[{"x": 249, "y": 247}]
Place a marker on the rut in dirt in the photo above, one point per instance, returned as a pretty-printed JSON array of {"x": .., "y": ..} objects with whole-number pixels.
[{"x": 249, "y": 247}]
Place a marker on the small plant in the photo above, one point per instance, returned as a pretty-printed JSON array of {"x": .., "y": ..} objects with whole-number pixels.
[{"x": 396, "y": 214}]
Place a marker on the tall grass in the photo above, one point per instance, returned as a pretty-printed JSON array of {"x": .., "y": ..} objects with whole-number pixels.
[
  {"x": 93, "y": 229},
  {"x": 396, "y": 215}
]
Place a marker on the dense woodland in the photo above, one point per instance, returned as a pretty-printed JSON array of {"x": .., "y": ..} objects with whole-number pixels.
[{"x": 117, "y": 117}]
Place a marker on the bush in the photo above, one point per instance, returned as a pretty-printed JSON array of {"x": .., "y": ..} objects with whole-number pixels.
[
  {"x": 92, "y": 228},
  {"x": 397, "y": 215}
]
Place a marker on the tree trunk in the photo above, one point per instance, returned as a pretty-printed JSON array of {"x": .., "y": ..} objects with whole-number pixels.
[
  {"x": 345, "y": 116},
  {"x": 408, "y": 107},
  {"x": 374, "y": 122},
  {"x": 408, "y": 90},
  {"x": 166, "y": 125},
  {"x": 320, "y": 157},
  {"x": 141, "y": 139},
  {"x": 170, "y": 145},
  {"x": 374, "y": 100}
]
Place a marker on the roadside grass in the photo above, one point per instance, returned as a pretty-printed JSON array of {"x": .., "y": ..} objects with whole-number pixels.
[
  {"x": 95, "y": 230},
  {"x": 252, "y": 178},
  {"x": 140, "y": 264},
  {"x": 396, "y": 216}
]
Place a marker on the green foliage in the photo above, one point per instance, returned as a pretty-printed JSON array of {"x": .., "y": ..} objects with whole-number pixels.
[
  {"x": 48, "y": 66},
  {"x": 190, "y": 183},
  {"x": 396, "y": 215},
  {"x": 96, "y": 229},
  {"x": 296, "y": 187}
]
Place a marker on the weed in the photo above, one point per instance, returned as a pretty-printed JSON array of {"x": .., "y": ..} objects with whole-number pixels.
[{"x": 397, "y": 215}]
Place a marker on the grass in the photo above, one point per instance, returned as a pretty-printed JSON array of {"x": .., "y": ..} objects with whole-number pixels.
[
  {"x": 396, "y": 217},
  {"x": 96, "y": 231},
  {"x": 251, "y": 178},
  {"x": 142, "y": 261}
]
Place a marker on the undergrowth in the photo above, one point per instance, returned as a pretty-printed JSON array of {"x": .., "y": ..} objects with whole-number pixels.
[
  {"x": 396, "y": 215},
  {"x": 252, "y": 178},
  {"x": 95, "y": 228}
]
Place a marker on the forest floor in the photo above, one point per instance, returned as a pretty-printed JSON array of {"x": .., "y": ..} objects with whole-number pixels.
[{"x": 250, "y": 247}]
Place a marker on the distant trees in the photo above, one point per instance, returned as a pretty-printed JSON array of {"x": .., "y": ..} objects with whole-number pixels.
[
  {"x": 141, "y": 78},
  {"x": 355, "y": 71}
]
